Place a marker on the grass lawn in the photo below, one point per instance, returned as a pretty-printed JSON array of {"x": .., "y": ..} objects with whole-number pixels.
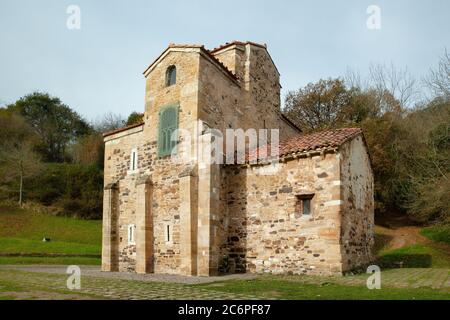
[
  {"x": 51, "y": 260},
  {"x": 15, "y": 245},
  {"x": 21, "y": 231},
  {"x": 272, "y": 288},
  {"x": 439, "y": 233}
]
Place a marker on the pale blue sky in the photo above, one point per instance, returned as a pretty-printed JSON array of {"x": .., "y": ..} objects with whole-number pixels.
[{"x": 99, "y": 68}]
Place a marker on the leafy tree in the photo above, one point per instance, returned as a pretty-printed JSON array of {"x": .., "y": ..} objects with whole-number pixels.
[
  {"x": 318, "y": 105},
  {"x": 89, "y": 149},
  {"x": 56, "y": 125},
  {"x": 134, "y": 118},
  {"x": 427, "y": 162}
]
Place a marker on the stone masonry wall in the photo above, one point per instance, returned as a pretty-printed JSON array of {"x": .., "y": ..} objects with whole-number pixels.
[
  {"x": 240, "y": 219},
  {"x": 117, "y": 170},
  {"x": 357, "y": 233},
  {"x": 266, "y": 232},
  {"x": 258, "y": 105},
  {"x": 164, "y": 174}
]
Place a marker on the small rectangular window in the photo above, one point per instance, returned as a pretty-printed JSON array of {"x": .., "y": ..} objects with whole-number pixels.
[
  {"x": 131, "y": 233},
  {"x": 168, "y": 233},
  {"x": 306, "y": 206},
  {"x": 133, "y": 160},
  {"x": 303, "y": 205}
]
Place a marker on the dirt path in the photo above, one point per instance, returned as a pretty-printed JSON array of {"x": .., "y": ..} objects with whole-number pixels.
[{"x": 398, "y": 231}]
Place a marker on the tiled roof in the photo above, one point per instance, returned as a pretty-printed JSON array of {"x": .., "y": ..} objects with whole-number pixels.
[
  {"x": 109, "y": 133},
  {"x": 324, "y": 140}
]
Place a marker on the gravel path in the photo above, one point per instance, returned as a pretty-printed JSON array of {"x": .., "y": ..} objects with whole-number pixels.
[{"x": 94, "y": 271}]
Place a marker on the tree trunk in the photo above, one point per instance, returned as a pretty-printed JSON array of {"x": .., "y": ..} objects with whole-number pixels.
[{"x": 21, "y": 186}]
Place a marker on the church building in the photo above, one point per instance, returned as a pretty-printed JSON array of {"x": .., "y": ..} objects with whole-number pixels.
[{"x": 310, "y": 213}]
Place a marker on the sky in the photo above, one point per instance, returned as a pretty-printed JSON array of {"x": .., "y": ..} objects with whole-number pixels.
[{"x": 98, "y": 68}]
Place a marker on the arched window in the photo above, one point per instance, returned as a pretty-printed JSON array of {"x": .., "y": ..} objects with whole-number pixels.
[{"x": 171, "y": 76}]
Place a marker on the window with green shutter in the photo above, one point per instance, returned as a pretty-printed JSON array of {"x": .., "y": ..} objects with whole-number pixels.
[{"x": 168, "y": 123}]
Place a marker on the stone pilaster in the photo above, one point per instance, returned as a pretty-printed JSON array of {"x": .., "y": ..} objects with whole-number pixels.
[
  {"x": 208, "y": 190},
  {"x": 110, "y": 260},
  {"x": 188, "y": 221},
  {"x": 144, "y": 226}
]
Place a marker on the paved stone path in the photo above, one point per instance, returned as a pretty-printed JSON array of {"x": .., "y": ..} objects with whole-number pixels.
[
  {"x": 49, "y": 282},
  {"x": 94, "y": 271},
  {"x": 109, "y": 286},
  {"x": 396, "y": 278}
]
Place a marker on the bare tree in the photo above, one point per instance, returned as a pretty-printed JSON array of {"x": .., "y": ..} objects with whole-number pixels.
[
  {"x": 109, "y": 121},
  {"x": 353, "y": 79},
  {"x": 398, "y": 82},
  {"x": 18, "y": 162},
  {"x": 439, "y": 79}
]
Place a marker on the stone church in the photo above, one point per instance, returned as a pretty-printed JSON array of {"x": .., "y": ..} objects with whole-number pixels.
[{"x": 315, "y": 215}]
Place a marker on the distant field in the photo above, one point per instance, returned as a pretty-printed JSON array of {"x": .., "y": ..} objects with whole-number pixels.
[{"x": 21, "y": 231}]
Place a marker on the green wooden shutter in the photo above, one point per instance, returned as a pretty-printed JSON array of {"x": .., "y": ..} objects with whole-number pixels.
[{"x": 168, "y": 123}]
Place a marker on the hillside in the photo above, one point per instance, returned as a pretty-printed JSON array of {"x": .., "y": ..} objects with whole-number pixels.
[{"x": 22, "y": 231}]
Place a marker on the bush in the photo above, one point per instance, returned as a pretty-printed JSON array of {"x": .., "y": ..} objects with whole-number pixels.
[{"x": 75, "y": 188}]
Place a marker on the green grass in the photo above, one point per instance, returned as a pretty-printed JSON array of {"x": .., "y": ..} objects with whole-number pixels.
[
  {"x": 18, "y": 245},
  {"x": 21, "y": 223},
  {"x": 416, "y": 256},
  {"x": 21, "y": 231},
  {"x": 279, "y": 289},
  {"x": 50, "y": 260},
  {"x": 439, "y": 233}
]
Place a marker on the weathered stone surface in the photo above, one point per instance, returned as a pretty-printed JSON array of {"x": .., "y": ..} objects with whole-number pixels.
[{"x": 197, "y": 219}]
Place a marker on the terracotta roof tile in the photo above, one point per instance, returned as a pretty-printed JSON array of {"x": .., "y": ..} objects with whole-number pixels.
[
  {"x": 109, "y": 133},
  {"x": 323, "y": 140}
]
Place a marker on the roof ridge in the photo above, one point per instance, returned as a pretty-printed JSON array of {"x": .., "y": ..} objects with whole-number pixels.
[
  {"x": 202, "y": 48},
  {"x": 131, "y": 126},
  {"x": 236, "y": 42}
]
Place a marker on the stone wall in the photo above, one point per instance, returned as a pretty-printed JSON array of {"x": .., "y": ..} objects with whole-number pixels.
[
  {"x": 266, "y": 233},
  {"x": 258, "y": 103},
  {"x": 163, "y": 173},
  {"x": 230, "y": 218},
  {"x": 357, "y": 232},
  {"x": 117, "y": 171}
]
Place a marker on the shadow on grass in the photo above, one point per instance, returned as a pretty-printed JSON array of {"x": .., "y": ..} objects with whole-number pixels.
[
  {"x": 405, "y": 260},
  {"x": 381, "y": 241}
]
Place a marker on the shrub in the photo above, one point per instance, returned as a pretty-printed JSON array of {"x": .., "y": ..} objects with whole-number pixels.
[{"x": 75, "y": 188}]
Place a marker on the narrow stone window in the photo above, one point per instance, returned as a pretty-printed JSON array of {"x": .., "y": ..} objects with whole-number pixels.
[
  {"x": 133, "y": 160},
  {"x": 303, "y": 205},
  {"x": 131, "y": 234},
  {"x": 168, "y": 233},
  {"x": 171, "y": 76}
]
